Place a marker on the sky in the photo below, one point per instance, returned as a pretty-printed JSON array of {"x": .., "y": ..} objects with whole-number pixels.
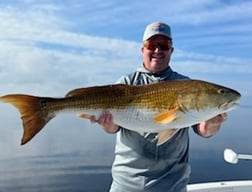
[{"x": 48, "y": 47}]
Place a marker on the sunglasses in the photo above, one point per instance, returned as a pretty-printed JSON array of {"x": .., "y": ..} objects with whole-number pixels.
[{"x": 163, "y": 45}]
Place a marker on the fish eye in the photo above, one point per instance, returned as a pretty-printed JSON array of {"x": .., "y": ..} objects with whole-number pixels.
[{"x": 221, "y": 91}]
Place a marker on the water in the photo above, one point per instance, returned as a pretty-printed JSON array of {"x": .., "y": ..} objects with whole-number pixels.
[
  {"x": 53, "y": 174},
  {"x": 210, "y": 168},
  {"x": 71, "y": 172}
]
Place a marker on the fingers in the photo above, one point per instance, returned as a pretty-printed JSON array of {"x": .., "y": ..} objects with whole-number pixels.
[
  {"x": 218, "y": 119},
  {"x": 93, "y": 119},
  {"x": 212, "y": 126},
  {"x": 105, "y": 118},
  {"x": 223, "y": 117},
  {"x": 106, "y": 121}
]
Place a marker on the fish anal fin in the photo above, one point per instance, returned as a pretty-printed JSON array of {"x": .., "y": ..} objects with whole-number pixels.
[
  {"x": 165, "y": 135},
  {"x": 166, "y": 116}
]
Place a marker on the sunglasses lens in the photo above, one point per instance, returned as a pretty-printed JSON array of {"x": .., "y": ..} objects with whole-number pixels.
[{"x": 152, "y": 45}]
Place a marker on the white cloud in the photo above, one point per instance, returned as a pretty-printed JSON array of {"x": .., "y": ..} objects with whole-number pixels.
[
  {"x": 29, "y": 66},
  {"x": 205, "y": 63},
  {"x": 50, "y": 56}
]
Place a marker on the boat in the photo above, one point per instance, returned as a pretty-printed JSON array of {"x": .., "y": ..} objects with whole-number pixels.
[{"x": 225, "y": 186}]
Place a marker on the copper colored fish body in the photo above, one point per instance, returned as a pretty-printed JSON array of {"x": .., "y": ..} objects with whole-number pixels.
[{"x": 153, "y": 108}]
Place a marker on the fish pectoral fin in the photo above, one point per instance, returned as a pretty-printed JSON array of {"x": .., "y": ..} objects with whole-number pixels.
[
  {"x": 164, "y": 136},
  {"x": 166, "y": 117}
]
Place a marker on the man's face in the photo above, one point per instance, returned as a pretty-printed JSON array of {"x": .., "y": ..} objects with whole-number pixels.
[{"x": 156, "y": 53}]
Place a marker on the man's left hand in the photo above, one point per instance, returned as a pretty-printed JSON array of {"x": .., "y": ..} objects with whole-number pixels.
[{"x": 211, "y": 126}]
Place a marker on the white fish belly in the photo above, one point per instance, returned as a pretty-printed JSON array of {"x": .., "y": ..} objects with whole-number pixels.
[{"x": 142, "y": 120}]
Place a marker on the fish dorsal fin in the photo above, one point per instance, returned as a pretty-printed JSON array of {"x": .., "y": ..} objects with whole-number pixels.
[
  {"x": 97, "y": 90},
  {"x": 166, "y": 116},
  {"x": 77, "y": 92},
  {"x": 165, "y": 135}
]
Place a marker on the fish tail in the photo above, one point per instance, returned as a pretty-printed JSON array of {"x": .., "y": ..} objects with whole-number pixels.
[{"x": 33, "y": 115}]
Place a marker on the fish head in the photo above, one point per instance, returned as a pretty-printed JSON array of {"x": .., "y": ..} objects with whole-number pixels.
[{"x": 202, "y": 96}]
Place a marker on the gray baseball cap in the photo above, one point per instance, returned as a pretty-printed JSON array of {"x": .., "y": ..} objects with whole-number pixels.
[{"x": 157, "y": 28}]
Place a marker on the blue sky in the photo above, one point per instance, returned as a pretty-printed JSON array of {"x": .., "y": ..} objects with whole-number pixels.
[{"x": 52, "y": 46}]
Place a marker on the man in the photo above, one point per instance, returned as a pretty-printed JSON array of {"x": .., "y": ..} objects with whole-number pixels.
[{"x": 140, "y": 163}]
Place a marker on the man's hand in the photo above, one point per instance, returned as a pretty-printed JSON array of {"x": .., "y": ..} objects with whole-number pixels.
[
  {"x": 211, "y": 126},
  {"x": 106, "y": 122}
]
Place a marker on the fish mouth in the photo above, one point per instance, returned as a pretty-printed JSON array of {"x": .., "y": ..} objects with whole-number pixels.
[{"x": 228, "y": 106}]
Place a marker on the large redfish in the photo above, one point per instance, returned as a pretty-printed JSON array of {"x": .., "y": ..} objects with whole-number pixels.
[{"x": 153, "y": 108}]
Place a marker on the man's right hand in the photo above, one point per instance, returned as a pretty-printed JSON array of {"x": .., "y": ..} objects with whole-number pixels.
[{"x": 106, "y": 122}]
